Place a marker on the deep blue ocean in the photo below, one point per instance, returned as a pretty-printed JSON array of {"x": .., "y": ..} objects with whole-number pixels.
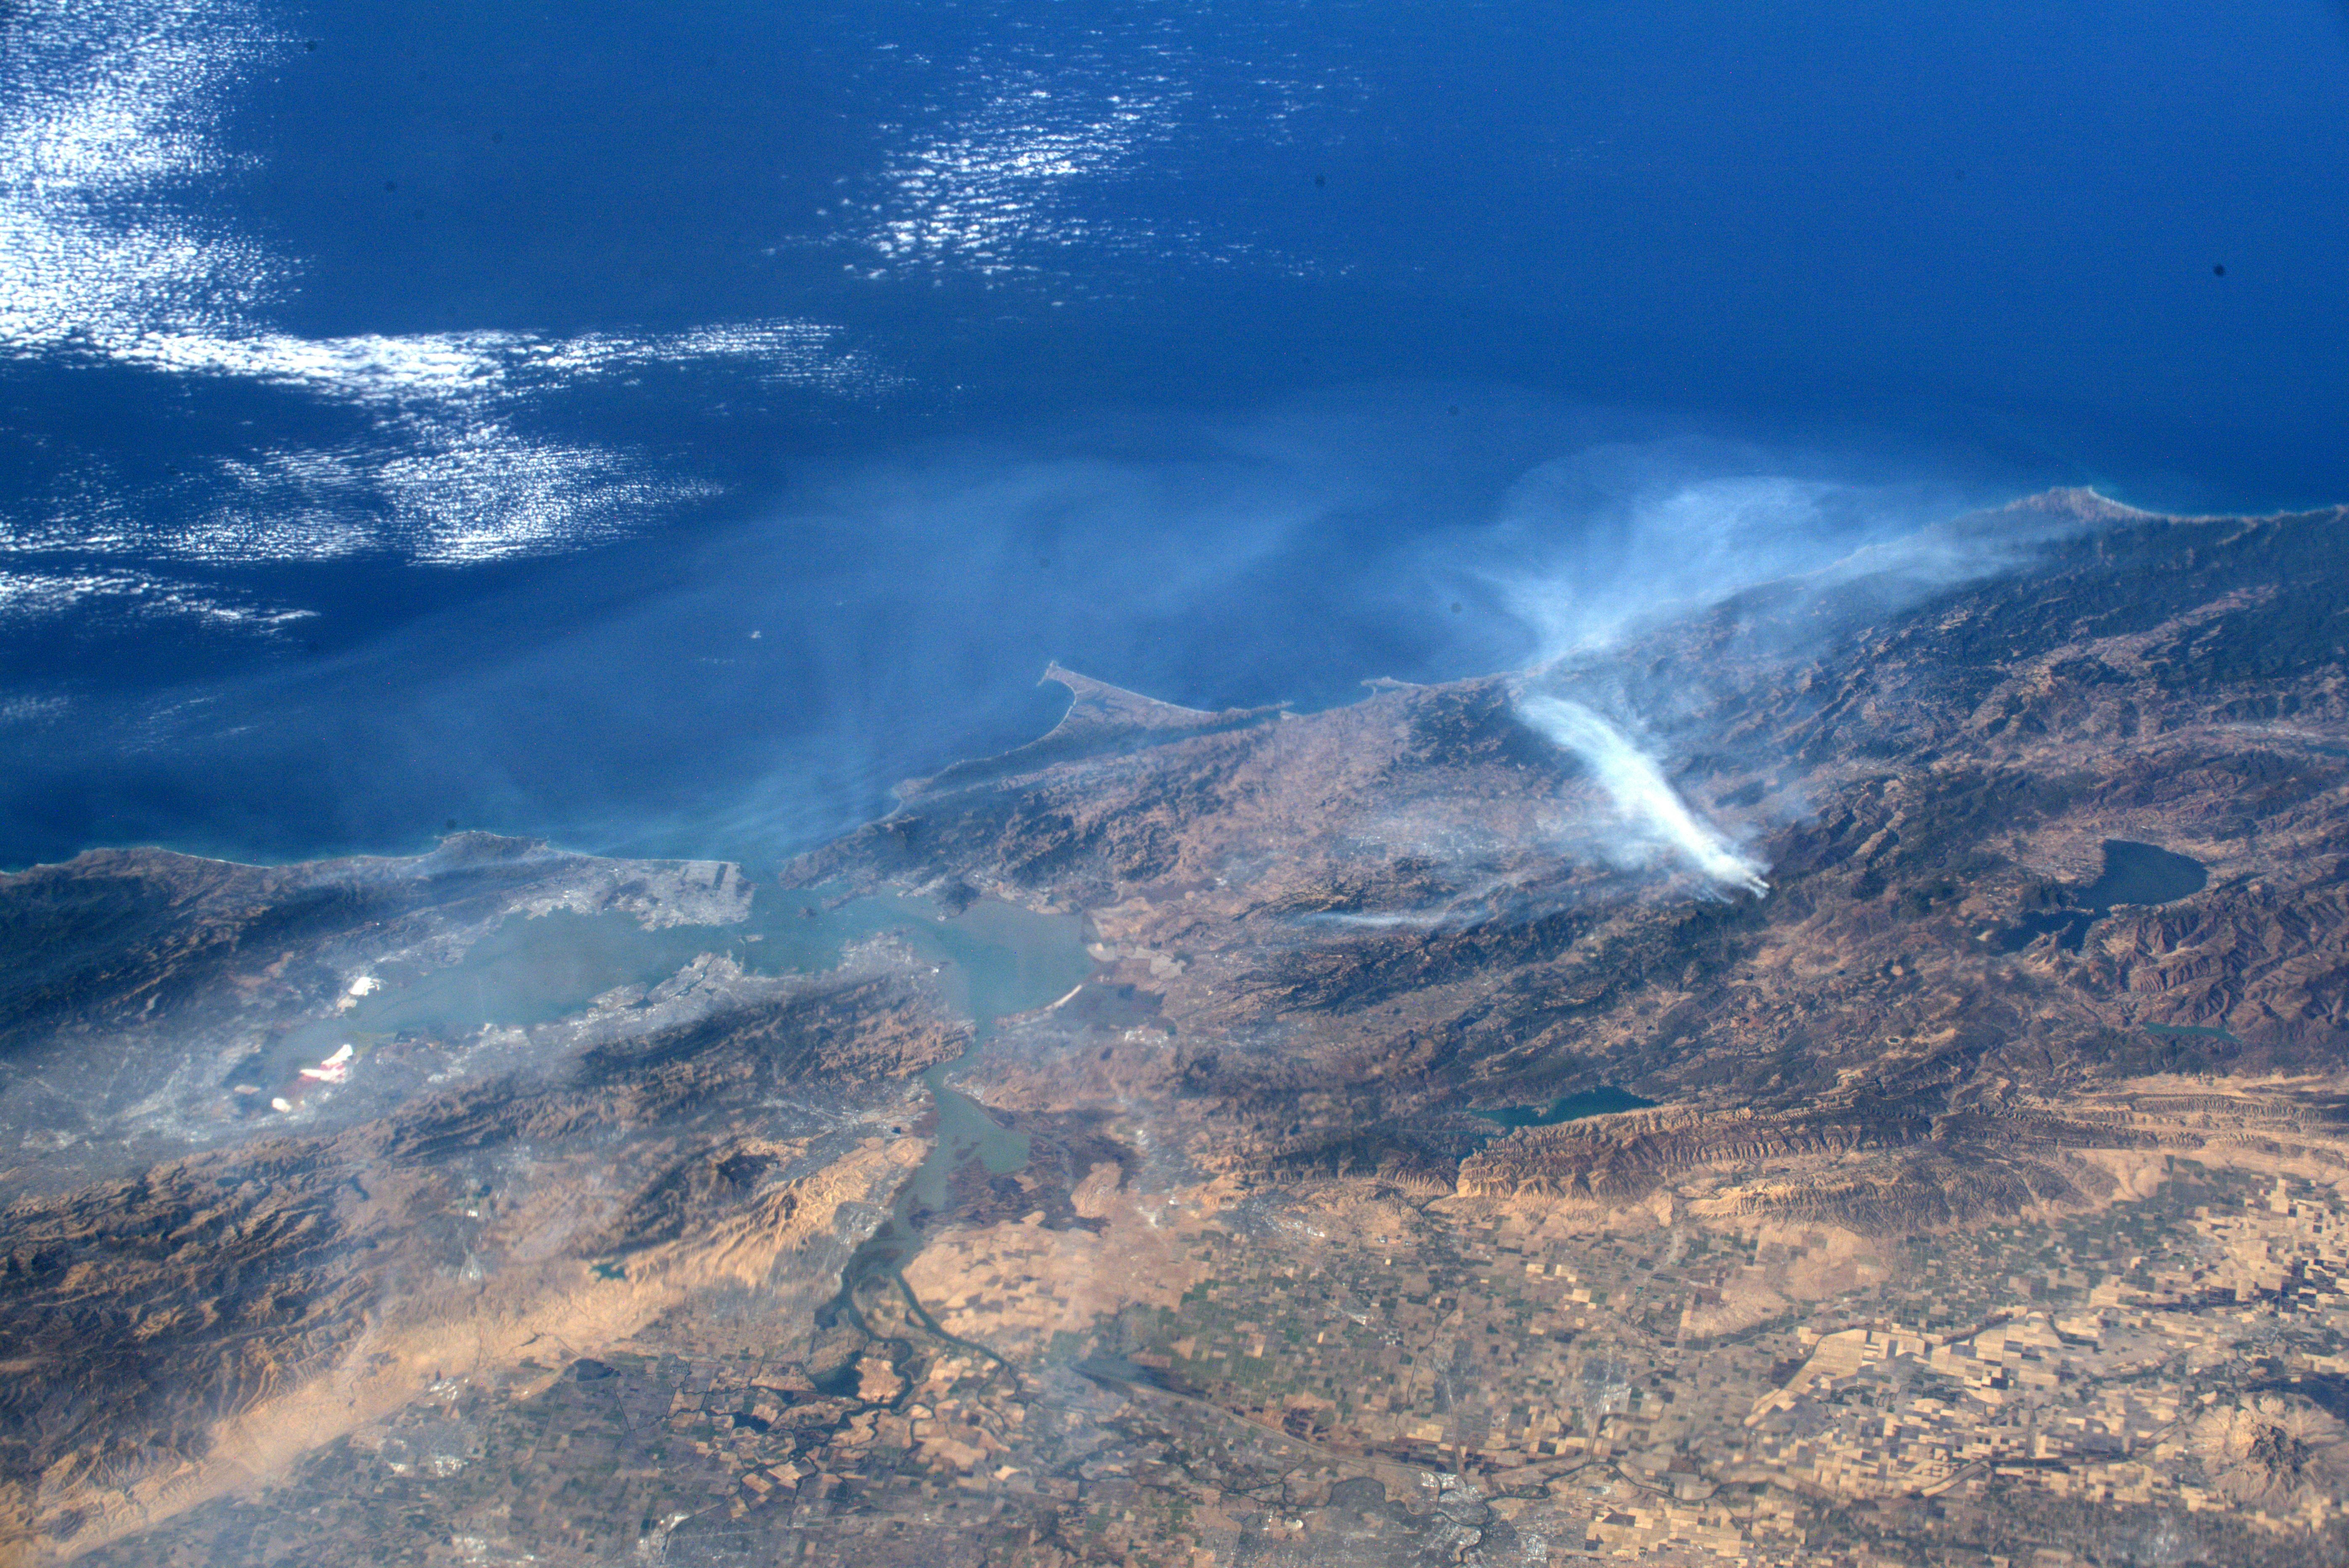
[{"x": 661, "y": 428}]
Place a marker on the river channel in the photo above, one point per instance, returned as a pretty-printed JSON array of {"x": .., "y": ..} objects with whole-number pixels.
[
  {"x": 1002, "y": 961},
  {"x": 994, "y": 959}
]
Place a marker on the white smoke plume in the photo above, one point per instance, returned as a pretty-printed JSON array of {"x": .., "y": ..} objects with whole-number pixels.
[{"x": 1645, "y": 801}]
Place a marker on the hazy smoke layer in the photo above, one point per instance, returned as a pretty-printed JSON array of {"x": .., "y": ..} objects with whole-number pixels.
[
  {"x": 1644, "y": 801},
  {"x": 750, "y": 688},
  {"x": 1595, "y": 548}
]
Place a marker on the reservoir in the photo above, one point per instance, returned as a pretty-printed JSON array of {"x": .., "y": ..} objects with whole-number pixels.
[
  {"x": 1604, "y": 1100},
  {"x": 2133, "y": 873}
]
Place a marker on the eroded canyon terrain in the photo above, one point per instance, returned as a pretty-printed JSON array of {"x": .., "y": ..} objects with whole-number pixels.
[{"x": 1844, "y": 1076}]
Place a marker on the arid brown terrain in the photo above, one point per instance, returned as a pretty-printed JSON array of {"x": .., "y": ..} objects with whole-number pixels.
[{"x": 1446, "y": 1160}]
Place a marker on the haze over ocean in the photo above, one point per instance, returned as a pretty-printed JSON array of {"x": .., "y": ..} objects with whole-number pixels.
[{"x": 663, "y": 428}]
